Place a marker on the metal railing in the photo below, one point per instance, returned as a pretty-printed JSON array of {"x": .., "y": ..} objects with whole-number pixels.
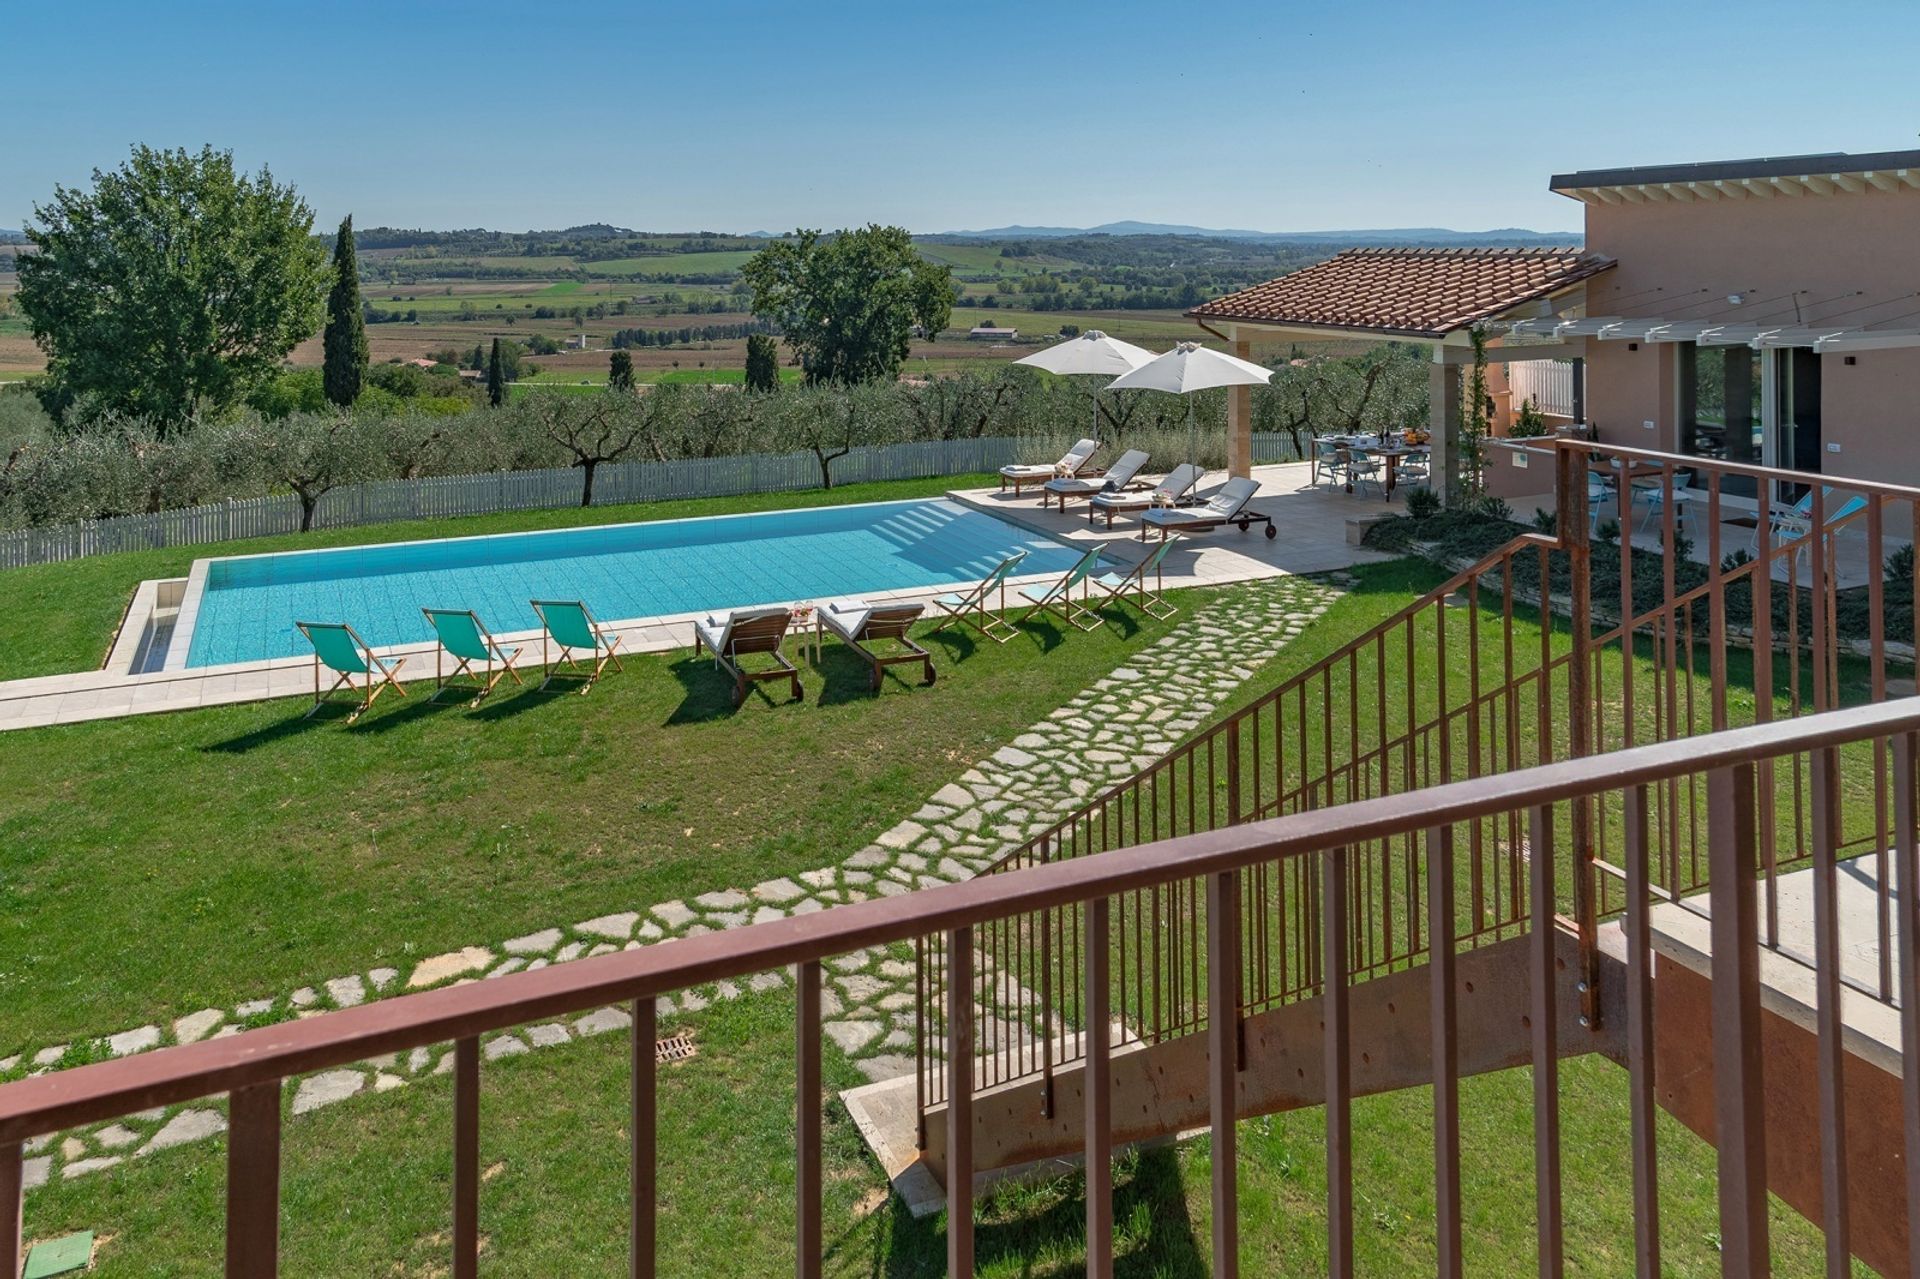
[
  {"x": 1444, "y": 691},
  {"x": 1319, "y": 850}
]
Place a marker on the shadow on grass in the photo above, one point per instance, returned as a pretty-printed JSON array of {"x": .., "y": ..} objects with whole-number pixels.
[
  {"x": 533, "y": 697},
  {"x": 846, "y": 677},
  {"x": 384, "y": 718},
  {"x": 710, "y": 692},
  {"x": 1041, "y": 1230},
  {"x": 329, "y": 715},
  {"x": 958, "y": 643}
]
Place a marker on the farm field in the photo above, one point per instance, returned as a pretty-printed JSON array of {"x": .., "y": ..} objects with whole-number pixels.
[{"x": 454, "y": 292}]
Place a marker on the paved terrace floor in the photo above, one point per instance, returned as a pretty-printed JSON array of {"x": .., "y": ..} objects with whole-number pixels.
[{"x": 1312, "y": 537}]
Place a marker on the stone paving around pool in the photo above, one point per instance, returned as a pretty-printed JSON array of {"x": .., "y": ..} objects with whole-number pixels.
[{"x": 1120, "y": 724}]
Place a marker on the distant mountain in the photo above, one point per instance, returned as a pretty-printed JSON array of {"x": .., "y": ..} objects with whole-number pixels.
[
  {"x": 1380, "y": 235},
  {"x": 12, "y": 235}
]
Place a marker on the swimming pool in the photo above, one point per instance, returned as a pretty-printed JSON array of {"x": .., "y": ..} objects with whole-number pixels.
[{"x": 243, "y": 608}]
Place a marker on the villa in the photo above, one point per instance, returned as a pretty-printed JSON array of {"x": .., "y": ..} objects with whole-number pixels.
[{"x": 1542, "y": 901}]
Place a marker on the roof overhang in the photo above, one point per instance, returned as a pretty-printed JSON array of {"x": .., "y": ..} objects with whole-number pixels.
[
  {"x": 1707, "y": 333},
  {"x": 1835, "y": 173}
]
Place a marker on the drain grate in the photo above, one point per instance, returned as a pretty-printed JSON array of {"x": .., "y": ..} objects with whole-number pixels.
[{"x": 674, "y": 1048}]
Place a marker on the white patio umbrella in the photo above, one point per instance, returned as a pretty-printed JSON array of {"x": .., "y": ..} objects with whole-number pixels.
[
  {"x": 1093, "y": 352},
  {"x": 1191, "y": 367}
]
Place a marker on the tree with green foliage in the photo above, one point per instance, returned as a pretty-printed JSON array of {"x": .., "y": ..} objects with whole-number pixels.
[
  {"x": 175, "y": 285},
  {"x": 763, "y": 362},
  {"x": 848, "y": 303},
  {"x": 620, "y": 371},
  {"x": 344, "y": 341},
  {"x": 496, "y": 377}
]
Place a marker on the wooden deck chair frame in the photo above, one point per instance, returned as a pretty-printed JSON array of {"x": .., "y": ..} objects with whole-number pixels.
[
  {"x": 605, "y": 650},
  {"x": 495, "y": 652},
  {"x": 1151, "y": 602},
  {"x": 380, "y": 675},
  {"x": 762, "y": 634},
  {"x": 888, "y": 622},
  {"x": 973, "y": 609},
  {"x": 1059, "y": 596}
]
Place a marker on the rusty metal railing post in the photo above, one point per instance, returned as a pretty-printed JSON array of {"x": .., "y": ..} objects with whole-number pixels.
[
  {"x": 1233, "y": 772},
  {"x": 1641, "y": 1098},
  {"x": 644, "y": 1214},
  {"x": 1099, "y": 1090},
  {"x": 1906, "y": 843},
  {"x": 960, "y": 1102},
  {"x": 1338, "y": 1066},
  {"x": 466, "y": 1159},
  {"x": 1571, "y": 476},
  {"x": 253, "y": 1182},
  {"x": 1831, "y": 1053},
  {"x": 1223, "y": 1076},
  {"x": 1446, "y": 1052},
  {"x": 1739, "y": 1105},
  {"x": 1545, "y": 1013},
  {"x": 807, "y": 1237},
  {"x": 13, "y": 1188}
]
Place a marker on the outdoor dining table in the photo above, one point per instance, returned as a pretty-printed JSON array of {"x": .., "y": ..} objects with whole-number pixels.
[
  {"x": 1392, "y": 453},
  {"x": 1372, "y": 447}
]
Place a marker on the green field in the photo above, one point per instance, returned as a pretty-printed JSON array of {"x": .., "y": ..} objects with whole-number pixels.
[{"x": 672, "y": 264}]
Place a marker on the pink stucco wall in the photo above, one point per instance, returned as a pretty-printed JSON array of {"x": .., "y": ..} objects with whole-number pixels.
[{"x": 1852, "y": 259}]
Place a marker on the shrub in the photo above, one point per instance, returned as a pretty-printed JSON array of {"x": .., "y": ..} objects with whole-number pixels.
[{"x": 1423, "y": 503}]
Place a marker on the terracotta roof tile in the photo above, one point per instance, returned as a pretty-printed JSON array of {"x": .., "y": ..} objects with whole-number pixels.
[{"x": 1415, "y": 292}]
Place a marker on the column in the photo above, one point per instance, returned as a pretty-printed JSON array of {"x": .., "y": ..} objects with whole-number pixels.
[
  {"x": 1240, "y": 420},
  {"x": 1443, "y": 421}
]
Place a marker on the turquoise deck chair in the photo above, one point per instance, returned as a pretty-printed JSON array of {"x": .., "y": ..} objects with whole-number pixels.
[
  {"x": 465, "y": 638},
  {"x": 1152, "y": 600},
  {"x": 1057, "y": 597},
  {"x": 972, "y": 608},
  {"x": 570, "y": 627},
  {"x": 341, "y": 650}
]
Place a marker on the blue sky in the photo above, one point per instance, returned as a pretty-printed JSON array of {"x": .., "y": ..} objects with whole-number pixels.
[{"x": 739, "y": 117}]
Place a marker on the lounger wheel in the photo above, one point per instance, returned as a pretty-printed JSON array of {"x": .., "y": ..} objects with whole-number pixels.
[
  {"x": 1243, "y": 525},
  {"x": 1272, "y": 532}
]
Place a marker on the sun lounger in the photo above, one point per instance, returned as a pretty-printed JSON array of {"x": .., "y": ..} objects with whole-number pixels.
[
  {"x": 1228, "y": 506},
  {"x": 1133, "y": 582},
  {"x": 1077, "y": 460},
  {"x": 862, "y": 625},
  {"x": 1057, "y": 596},
  {"x": 1120, "y": 477},
  {"x": 971, "y": 606},
  {"x": 570, "y": 627},
  {"x": 748, "y": 630},
  {"x": 462, "y": 635},
  {"x": 341, "y": 650},
  {"x": 1175, "y": 490}
]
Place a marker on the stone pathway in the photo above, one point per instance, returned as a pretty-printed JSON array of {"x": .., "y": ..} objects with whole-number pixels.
[{"x": 1120, "y": 724}]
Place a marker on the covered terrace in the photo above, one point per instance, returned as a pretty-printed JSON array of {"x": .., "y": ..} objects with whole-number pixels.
[{"x": 1430, "y": 296}]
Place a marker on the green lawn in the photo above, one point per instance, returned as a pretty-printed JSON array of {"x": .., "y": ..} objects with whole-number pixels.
[{"x": 234, "y": 852}]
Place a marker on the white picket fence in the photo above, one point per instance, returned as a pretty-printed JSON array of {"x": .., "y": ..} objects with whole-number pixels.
[
  {"x": 443, "y": 496},
  {"x": 1548, "y": 383}
]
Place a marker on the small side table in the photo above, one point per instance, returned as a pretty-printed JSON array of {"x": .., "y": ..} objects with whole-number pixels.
[{"x": 800, "y": 616}]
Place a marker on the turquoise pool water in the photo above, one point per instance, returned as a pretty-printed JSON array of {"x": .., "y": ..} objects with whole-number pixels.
[{"x": 248, "y": 604}]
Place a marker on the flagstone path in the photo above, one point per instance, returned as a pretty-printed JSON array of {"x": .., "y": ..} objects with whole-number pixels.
[{"x": 1121, "y": 723}]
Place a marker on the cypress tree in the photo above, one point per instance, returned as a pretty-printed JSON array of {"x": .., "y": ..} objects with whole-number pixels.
[
  {"x": 496, "y": 378},
  {"x": 763, "y": 363},
  {"x": 620, "y": 371},
  {"x": 344, "y": 367}
]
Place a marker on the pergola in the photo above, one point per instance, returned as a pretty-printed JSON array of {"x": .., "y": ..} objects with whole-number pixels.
[{"x": 1431, "y": 296}]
